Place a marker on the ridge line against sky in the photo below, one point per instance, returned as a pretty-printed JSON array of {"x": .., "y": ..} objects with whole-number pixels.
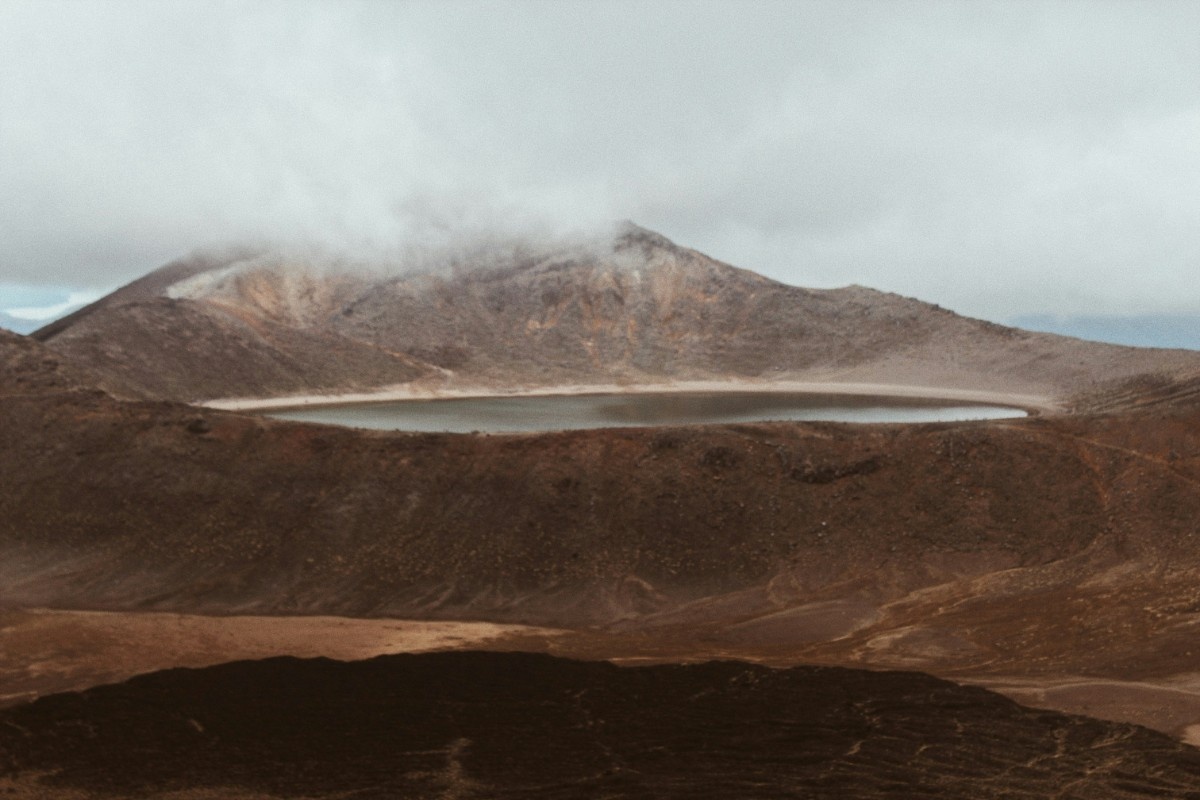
[{"x": 996, "y": 158}]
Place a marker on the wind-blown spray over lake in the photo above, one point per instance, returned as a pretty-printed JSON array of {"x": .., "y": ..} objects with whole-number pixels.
[{"x": 562, "y": 412}]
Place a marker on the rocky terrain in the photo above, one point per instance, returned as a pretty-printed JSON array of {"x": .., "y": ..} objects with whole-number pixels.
[
  {"x": 217, "y": 512},
  {"x": 1057, "y": 550},
  {"x": 635, "y": 309},
  {"x": 1053, "y": 558},
  {"x": 510, "y": 725},
  {"x": 30, "y": 371}
]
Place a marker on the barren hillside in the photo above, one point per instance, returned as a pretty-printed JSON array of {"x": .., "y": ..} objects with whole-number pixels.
[
  {"x": 1053, "y": 557},
  {"x": 638, "y": 309},
  {"x": 719, "y": 529}
]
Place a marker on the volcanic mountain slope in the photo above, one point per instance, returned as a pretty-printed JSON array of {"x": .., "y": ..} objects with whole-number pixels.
[
  {"x": 638, "y": 309},
  {"x": 211, "y": 511},
  {"x": 27, "y": 368},
  {"x": 146, "y": 336},
  {"x": 1059, "y": 550},
  {"x": 494, "y": 725},
  {"x": 773, "y": 538}
]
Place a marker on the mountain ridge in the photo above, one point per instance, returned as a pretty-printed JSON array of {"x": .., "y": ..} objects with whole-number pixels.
[
  {"x": 635, "y": 310},
  {"x": 974, "y": 550}
]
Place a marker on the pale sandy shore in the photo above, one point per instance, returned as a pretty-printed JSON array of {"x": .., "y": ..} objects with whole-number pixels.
[{"x": 1028, "y": 402}]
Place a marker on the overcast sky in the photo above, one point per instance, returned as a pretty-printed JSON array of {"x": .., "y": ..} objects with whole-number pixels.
[{"x": 997, "y": 159}]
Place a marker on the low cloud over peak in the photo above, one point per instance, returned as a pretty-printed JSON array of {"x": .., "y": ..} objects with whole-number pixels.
[{"x": 994, "y": 158}]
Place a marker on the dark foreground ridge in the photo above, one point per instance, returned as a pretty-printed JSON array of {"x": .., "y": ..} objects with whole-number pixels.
[{"x": 494, "y": 725}]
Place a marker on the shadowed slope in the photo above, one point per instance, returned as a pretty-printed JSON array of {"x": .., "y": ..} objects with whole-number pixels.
[{"x": 492, "y": 725}]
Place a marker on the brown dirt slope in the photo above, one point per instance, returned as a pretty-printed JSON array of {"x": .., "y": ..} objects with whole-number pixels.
[
  {"x": 28, "y": 368},
  {"x": 1059, "y": 550},
  {"x": 181, "y": 348},
  {"x": 636, "y": 309},
  {"x": 154, "y": 505},
  {"x": 506, "y": 725}
]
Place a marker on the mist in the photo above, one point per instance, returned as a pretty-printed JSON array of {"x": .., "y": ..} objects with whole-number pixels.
[{"x": 995, "y": 158}]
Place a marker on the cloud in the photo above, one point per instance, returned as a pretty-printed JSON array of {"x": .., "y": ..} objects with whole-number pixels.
[
  {"x": 39, "y": 313},
  {"x": 996, "y": 158}
]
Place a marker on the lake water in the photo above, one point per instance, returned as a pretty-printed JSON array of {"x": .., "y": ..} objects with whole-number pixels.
[{"x": 560, "y": 412}]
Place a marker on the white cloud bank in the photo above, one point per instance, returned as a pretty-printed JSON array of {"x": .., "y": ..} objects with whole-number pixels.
[
  {"x": 997, "y": 158},
  {"x": 73, "y": 301}
]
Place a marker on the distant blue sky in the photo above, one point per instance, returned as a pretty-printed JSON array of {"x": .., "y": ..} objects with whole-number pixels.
[
  {"x": 997, "y": 158},
  {"x": 1144, "y": 330},
  {"x": 17, "y": 294},
  {"x": 25, "y": 308}
]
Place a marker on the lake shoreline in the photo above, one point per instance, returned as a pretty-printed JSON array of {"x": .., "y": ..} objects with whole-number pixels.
[
  {"x": 545, "y": 413},
  {"x": 1033, "y": 405}
]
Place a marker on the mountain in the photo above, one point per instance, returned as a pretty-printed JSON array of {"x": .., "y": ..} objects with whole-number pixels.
[
  {"x": 28, "y": 368},
  {"x": 1054, "y": 557},
  {"x": 151, "y": 336},
  {"x": 518, "y": 725},
  {"x": 636, "y": 309},
  {"x": 1018, "y": 553}
]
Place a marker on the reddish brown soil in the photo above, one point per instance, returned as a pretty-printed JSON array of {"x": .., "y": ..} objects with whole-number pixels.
[
  {"x": 1039, "y": 554},
  {"x": 157, "y": 506}
]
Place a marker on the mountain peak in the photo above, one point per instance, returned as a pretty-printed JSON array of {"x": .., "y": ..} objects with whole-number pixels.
[
  {"x": 634, "y": 308},
  {"x": 630, "y": 234}
]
